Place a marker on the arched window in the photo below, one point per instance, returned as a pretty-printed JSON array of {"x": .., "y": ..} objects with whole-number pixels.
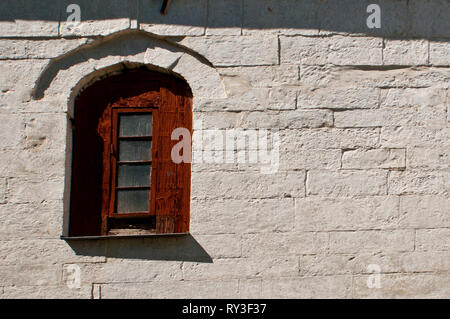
[{"x": 124, "y": 181}]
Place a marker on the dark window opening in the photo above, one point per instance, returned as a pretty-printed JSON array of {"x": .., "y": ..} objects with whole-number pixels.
[{"x": 124, "y": 181}]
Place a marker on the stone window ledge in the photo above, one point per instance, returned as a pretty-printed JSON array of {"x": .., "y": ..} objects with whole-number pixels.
[{"x": 123, "y": 236}]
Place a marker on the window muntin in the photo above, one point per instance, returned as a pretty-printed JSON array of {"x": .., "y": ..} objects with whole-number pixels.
[{"x": 131, "y": 164}]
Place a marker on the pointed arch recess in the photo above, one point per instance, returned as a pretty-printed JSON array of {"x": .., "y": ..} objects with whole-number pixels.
[{"x": 67, "y": 75}]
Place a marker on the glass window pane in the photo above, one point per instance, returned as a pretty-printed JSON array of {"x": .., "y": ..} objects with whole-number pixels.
[
  {"x": 133, "y": 175},
  {"x": 135, "y": 150},
  {"x": 132, "y": 201},
  {"x": 135, "y": 124}
]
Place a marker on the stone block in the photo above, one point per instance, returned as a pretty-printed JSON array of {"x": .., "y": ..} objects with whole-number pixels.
[
  {"x": 331, "y": 214},
  {"x": 263, "y": 75},
  {"x": 336, "y": 50},
  {"x": 339, "y": 98},
  {"x": 439, "y": 52},
  {"x": 433, "y": 239},
  {"x": 38, "y": 49},
  {"x": 126, "y": 270},
  {"x": 35, "y": 190},
  {"x": 346, "y": 183},
  {"x": 424, "y": 211},
  {"x": 284, "y": 244},
  {"x": 46, "y": 251},
  {"x": 265, "y": 119},
  {"x": 308, "y": 287},
  {"x": 403, "y": 286},
  {"x": 241, "y": 216},
  {"x": 330, "y": 138},
  {"x": 372, "y": 241},
  {"x": 419, "y": 182},
  {"x": 22, "y": 221},
  {"x": 406, "y": 137},
  {"x": 405, "y": 52},
  {"x": 235, "y": 50},
  {"x": 220, "y": 246},
  {"x": 434, "y": 116},
  {"x": 433, "y": 157},
  {"x": 247, "y": 185},
  {"x": 48, "y": 292},
  {"x": 291, "y": 158},
  {"x": 171, "y": 289},
  {"x": 374, "y": 158}
]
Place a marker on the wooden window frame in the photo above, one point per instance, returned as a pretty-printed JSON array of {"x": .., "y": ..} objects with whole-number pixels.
[
  {"x": 94, "y": 165},
  {"x": 113, "y": 158}
]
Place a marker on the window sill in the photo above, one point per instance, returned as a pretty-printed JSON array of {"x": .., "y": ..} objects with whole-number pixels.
[{"x": 123, "y": 236}]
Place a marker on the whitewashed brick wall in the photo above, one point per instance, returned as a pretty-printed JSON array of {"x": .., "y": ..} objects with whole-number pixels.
[{"x": 364, "y": 177}]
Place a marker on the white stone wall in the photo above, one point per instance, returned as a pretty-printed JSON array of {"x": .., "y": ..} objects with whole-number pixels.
[{"x": 364, "y": 162}]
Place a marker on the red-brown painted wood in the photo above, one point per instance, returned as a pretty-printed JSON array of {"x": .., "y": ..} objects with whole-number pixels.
[{"x": 93, "y": 162}]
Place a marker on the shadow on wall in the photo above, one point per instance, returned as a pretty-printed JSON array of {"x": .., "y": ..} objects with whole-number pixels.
[
  {"x": 400, "y": 18},
  {"x": 169, "y": 248}
]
